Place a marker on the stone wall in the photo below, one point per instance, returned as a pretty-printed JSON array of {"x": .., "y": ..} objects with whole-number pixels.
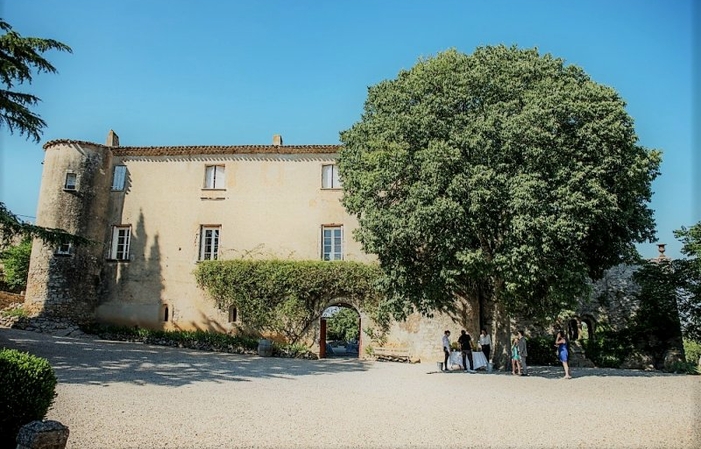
[{"x": 67, "y": 285}]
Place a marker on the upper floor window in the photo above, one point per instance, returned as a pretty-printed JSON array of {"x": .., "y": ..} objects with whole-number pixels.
[
  {"x": 119, "y": 177},
  {"x": 214, "y": 177},
  {"x": 332, "y": 243},
  {"x": 209, "y": 242},
  {"x": 121, "y": 238},
  {"x": 329, "y": 177},
  {"x": 71, "y": 181}
]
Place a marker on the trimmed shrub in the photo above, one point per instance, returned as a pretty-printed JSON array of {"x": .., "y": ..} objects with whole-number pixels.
[{"x": 27, "y": 385}]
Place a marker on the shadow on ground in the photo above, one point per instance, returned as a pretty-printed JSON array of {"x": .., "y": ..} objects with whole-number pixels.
[
  {"x": 557, "y": 372},
  {"x": 88, "y": 361}
]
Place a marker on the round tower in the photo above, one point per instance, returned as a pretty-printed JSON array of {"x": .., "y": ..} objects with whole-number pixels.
[{"x": 64, "y": 281}]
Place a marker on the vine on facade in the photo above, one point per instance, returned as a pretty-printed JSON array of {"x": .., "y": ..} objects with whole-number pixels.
[{"x": 286, "y": 297}]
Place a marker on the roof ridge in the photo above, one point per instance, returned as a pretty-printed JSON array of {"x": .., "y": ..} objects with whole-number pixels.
[{"x": 193, "y": 149}]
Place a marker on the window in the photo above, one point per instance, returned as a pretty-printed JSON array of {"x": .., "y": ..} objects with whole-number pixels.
[
  {"x": 166, "y": 312},
  {"x": 329, "y": 177},
  {"x": 119, "y": 177},
  {"x": 214, "y": 177},
  {"x": 209, "y": 242},
  {"x": 121, "y": 236},
  {"x": 233, "y": 314},
  {"x": 332, "y": 243},
  {"x": 64, "y": 249},
  {"x": 71, "y": 181}
]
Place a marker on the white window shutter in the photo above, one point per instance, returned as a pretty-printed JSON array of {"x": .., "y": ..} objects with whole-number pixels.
[
  {"x": 326, "y": 176},
  {"x": 219, "y": 179}
]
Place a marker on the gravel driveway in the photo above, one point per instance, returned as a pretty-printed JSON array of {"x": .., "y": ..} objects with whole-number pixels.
[{"x": 127, "y": 395}]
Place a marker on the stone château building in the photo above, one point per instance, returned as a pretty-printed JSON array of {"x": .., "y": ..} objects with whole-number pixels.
[{"x": 155, "y": 212}]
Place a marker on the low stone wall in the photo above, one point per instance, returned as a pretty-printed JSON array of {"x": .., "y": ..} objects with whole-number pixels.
[{"x": 7, "y": 298}]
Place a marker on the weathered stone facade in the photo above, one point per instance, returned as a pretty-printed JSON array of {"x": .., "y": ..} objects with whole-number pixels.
[{"x": 151, "y": 230}]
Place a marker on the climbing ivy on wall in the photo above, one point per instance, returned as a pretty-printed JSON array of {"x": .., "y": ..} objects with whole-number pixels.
[{"x": 286, "y": 297}]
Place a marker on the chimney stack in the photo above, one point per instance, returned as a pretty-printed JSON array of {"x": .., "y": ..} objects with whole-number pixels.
[
  {"x": 112, "y": 139},
  {"x": 277, "y": 140}
]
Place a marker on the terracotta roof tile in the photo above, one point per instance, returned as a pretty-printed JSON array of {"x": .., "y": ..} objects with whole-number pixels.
[{"x": 204, "y": 149}]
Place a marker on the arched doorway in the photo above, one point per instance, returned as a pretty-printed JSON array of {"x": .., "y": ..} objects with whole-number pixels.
[{"x": 340, "y": 332}]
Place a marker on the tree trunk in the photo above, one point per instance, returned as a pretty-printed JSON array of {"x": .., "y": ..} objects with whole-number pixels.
[{"x": 494, "y": 318}]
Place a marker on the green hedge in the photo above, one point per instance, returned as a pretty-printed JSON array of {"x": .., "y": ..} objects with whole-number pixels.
[
  {"x": 27, "y": 385},
  {"x": 199, "y": 339},
  {"x": 285, "y": 297}
]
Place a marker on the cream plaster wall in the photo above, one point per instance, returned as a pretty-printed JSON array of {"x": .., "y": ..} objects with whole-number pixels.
[{"x": 272, "y": 206}]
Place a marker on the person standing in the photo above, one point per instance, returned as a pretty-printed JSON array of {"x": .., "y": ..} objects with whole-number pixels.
[
  {"x": 515, "y": 358},
  {"x": 465, "y": 341},
  {"x": 446, "y": 349},
  {"x": 523, "y": 352},
  {"x": 485, "y": 342},
  {"x": 562, "y": 353}
]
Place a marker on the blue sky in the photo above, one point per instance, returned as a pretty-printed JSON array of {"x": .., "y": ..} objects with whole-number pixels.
[{"x": 176, "y": 72}]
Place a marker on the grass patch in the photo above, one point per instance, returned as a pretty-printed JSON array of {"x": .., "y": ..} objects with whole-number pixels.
[{"x": 18, "y": 312}]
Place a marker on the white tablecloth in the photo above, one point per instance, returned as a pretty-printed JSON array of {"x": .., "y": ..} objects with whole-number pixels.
[{"x": 478, "y": 360}]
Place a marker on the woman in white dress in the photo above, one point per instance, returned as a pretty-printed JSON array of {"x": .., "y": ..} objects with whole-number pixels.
[{"x": 485, "y": 342}]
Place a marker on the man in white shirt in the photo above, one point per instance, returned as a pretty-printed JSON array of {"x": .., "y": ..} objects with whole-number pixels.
[{"x": 446, "y": 349}]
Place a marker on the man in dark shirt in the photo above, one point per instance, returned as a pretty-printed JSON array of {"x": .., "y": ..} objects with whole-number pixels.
[{"x": 466, "y": 348}]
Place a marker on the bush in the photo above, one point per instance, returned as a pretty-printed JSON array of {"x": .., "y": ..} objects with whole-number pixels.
[
  {"x": 199, "y": 339},
  {"x": 15, "y": 261},
  {"x": 27, "y": 385},
  {"x": 692, "y": 351},
  {"x": 541, "y": 351},
  {"x": 608, "y": 349}
]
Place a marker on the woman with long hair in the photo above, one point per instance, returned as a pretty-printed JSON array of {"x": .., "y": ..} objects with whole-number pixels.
[
  {"x": 563, "y": 354},
  {"x": 485, "y": 342}
]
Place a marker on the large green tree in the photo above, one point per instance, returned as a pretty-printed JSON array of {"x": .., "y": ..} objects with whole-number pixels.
[
  {"x": 20, "y": 58},
  {"x": 504, "y": 176}
]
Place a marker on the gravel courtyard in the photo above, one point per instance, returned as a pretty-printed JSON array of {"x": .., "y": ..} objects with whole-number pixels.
[{"x": 126, "y": 395}]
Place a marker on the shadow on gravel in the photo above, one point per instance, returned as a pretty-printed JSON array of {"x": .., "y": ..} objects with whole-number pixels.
[
  {"x": 555, "y": 372},
  {"x": 87, "y": 361}
]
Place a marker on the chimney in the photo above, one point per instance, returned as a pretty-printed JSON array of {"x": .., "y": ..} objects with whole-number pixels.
[
  {"x": 277, "y": 140},
  {"x": 112, "y": 139}
]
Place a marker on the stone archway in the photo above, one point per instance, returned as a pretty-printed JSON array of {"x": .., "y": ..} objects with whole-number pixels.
[{"x": 350, "y": 348}]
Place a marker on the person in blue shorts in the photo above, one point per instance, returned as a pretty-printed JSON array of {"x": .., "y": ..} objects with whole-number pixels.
[{"x": 562, "y": 353}]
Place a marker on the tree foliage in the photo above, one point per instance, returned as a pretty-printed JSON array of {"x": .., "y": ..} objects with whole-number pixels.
[
  {"x": 285, "y": 297},
  {"x": 689, "y": 290},
  {"x": 656, "y": 325},
  {"x": 504, "y": 176},
  {"x": 15, "y": 264},
  {"x": 343, "y": 325},
  {"x": 20, "y": 57}
]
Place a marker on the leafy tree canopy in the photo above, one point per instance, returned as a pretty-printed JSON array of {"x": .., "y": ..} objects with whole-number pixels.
[
  {"x": 20, "y": 57},
  {"x": 504, "y": 175}
]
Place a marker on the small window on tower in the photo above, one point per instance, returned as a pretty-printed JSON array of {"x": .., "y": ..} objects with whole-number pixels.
[
  {"x": 64, "y": 249},
  {"x": 71, "y": 181}
]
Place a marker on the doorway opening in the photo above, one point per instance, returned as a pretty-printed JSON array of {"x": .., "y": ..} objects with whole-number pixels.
[{"x": 339, "y": 332}]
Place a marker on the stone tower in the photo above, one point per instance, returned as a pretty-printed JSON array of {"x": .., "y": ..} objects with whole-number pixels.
[{"x": 64, "y": 281}]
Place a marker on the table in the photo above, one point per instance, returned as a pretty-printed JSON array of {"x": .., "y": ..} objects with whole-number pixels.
[{"x": 478, "y": 360}]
